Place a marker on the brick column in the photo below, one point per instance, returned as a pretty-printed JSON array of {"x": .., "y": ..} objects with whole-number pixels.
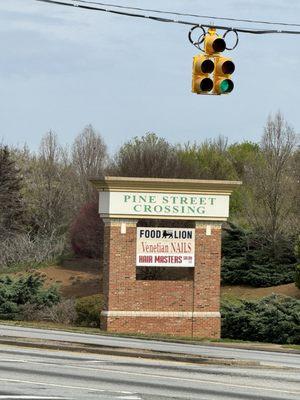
[
  {"x": 118, "y": 265},
  {"x": 182, "y": 308},
  {"x": 207, "y": 320}
]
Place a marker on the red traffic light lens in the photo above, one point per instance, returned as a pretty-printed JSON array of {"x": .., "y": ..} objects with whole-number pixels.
[{"x": 207, "y": 66}]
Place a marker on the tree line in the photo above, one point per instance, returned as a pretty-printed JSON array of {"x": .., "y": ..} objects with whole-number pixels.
[{"x": 43, "y": 192}]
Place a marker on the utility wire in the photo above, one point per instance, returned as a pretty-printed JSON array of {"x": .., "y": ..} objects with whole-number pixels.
[
  {"x": 188, "y": 14},
  {"x": 168, "y": 20}
]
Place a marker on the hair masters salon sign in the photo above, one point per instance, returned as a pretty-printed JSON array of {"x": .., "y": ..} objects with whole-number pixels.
[
  {"x": 192, "y": 206},
  {"x": 165, "y": 247}
]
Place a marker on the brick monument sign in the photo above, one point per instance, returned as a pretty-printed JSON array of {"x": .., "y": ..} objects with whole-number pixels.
[{"x": 185, "y": 235}]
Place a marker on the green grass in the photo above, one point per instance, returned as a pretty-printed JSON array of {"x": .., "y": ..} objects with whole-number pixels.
[
  {"x": 292, "y": 346},
  {"x": 52, "y": 325},
  {"x": 231, "y": 299},
  {"x": 97, "y": 331},
  {"x": 64, "y": 257},
  {"x": 25, "y": 268}
]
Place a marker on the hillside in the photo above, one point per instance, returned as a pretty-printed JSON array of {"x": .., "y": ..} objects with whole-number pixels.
[
  {"x": 81, "y": 277},
  {"x": 77, "y": 277},
  {"x": 245, "y": 292}
]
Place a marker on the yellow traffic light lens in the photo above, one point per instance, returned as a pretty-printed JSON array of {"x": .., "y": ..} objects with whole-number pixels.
[
  {"x": 226, "y": 86},
  {"x": 219, "y": 45},
  {"x": 207, "y": 66},
  {"x": 228, "y": 67},
  {"x": 206, "y": 85}
]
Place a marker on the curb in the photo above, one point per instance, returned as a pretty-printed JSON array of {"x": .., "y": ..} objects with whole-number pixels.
[{"x": 123, "y": 352}]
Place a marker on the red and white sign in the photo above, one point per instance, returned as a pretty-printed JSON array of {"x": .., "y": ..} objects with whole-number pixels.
[{"x": 165, "y": 247}]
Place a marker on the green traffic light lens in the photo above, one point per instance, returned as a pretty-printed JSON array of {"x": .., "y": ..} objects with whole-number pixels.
[{"x": 226, "y": 86}]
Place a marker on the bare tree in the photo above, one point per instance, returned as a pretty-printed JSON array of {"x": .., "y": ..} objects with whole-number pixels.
[
  {"x": 148, "y": 156},
  {"x": 207, "y": 160},
  {"x": 271, "y": 185},
  {"x": 49, "y": 187},
  {"x": 295, "y": 174},
  {"x": 89, "y": 159}
]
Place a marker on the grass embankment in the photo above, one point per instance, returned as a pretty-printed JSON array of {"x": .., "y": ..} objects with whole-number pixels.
[
  {"x": 167, "y": 338},
  {"x": 75, "y": 277},
  {"x": 250, "y": 293},
  {"x": 82, "y": 279}
]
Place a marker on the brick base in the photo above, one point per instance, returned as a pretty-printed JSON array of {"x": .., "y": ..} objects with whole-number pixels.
[
  {"x": 175, "y": 326},
  {"x": 180, "y": 308}
]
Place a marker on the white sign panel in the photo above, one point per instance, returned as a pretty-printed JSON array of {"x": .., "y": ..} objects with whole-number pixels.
[
  {"x": 164, "y": 204},
  {"x": 165, "y": 247}
]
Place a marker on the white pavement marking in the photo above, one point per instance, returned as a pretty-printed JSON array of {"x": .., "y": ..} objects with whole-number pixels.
[
  {"x": 63, "y": 386},
  {"x": 9, "y": 397},
  {"x": 169, "y": 377},
  {"x": 129, "y": 398}
]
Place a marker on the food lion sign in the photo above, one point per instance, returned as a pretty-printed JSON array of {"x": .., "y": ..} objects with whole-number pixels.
[{"x": 165, "y": 247}]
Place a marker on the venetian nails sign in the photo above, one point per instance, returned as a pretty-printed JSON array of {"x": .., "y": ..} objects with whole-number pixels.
[
  {"x": 192, "y": 206},
  {"x": 165, "y": 247}
]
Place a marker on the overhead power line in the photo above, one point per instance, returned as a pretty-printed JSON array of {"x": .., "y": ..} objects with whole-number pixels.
[
  {"x": 82, "y": 5},
  {"x": 252, "y": 21}
]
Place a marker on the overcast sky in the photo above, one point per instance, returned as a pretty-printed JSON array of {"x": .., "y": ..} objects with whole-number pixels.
[{"x": 62, "y": 68}]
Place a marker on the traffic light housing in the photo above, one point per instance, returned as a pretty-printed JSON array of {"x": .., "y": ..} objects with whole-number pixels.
[
  {"x": 202, "y": 82},
  {"x": 211, "y": 71},
  {"x": 213, "y": 43},
  {"x": 224, "y": 67}
]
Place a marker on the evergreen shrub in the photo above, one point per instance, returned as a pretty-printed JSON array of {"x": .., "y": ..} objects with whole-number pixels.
[
  {"x": 88, "y": 310},
  {"x": 297, "y": 271},
  {"x": 15, "y": 294},
  {"x": 274, "y": 319},
  {"x": 247, "y": 260}
]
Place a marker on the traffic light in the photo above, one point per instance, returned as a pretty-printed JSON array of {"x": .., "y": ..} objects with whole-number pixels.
[
  {"x": 203, "y": 66},
  {"x": 224, "y": 67},
  {"x": 213, "y": 43},
  {"x": 211, "y": 71}
]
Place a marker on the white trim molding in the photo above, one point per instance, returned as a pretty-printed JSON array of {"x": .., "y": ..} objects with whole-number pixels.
[{"x": 162, "y": 314}]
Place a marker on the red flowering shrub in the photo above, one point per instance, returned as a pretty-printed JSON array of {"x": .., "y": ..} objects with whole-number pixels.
[{"x": 87, "y": 232}]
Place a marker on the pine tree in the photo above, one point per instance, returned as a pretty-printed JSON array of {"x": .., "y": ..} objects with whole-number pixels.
[
  {"x": 297, "y": 254},
  {"x": 11, "y": 202}
]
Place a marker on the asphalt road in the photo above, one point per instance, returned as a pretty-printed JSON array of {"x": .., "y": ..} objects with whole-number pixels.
[
  {"x": 266, "y": 357},
  {"x": 47, "y": 374}
]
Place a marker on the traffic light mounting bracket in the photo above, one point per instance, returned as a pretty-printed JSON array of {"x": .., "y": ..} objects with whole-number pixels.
[{"x": 200, "y": 39}]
